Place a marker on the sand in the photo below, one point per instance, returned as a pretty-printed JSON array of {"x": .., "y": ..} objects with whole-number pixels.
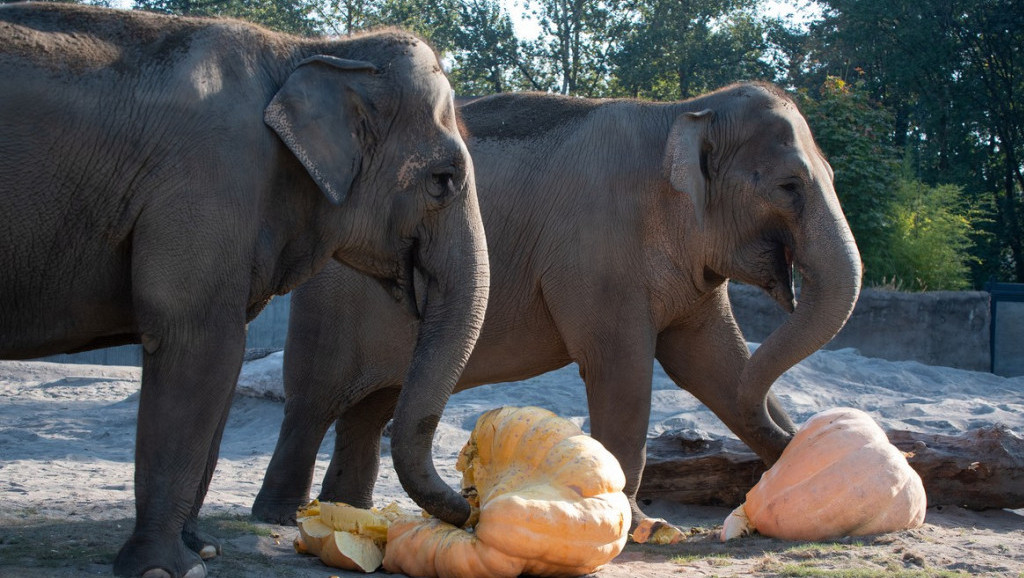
[{"x": 66, "y": 465}]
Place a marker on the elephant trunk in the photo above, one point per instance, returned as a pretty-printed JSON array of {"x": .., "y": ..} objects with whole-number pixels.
[
  {"x": 828, "y": 259},
  {"x": 457, "y": 273}
]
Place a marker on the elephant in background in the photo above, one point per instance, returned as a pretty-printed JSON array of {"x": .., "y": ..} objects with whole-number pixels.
[
  {"x": 162, "y": 178},
  {"x": 613, "y": 227}
]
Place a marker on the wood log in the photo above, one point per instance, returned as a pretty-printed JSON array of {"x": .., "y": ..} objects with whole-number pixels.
[{"x": 979, "y": 469}]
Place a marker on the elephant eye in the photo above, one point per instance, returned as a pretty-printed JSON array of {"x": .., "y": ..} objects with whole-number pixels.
[
  {"x": 441, "y": 183},
  {"x": 441, "y": 179},
  {"x": 787, "y": 195},
  {"x": 790, "y": 187}
]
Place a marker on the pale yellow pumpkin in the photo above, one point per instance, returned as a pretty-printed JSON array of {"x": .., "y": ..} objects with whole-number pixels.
[
  {"x": 344, "y": 536},
  {"x": 839, "y": 476},
  {"x": 548, "y": 501}
]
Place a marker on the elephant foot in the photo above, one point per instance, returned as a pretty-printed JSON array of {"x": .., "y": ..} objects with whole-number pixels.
[
  {"x": 195, "y": 572},
  {"x": 281, "y": 512},
  {"x": 200, "y": 542},
  {"x": 158, "y": 560},
  {"x": 656, "y": 531}
]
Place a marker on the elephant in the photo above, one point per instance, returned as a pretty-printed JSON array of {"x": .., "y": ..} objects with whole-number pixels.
[
  {"x": 162, "y": 178},
  {"x": 613, "y": 227}
]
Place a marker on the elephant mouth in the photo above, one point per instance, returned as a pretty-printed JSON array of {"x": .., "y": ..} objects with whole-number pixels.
[
  {"x": 779, "y": 284},
  {"x": 408, "y": 286}
]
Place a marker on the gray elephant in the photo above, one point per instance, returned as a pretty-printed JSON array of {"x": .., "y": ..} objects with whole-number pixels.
[
  {"x": 162, "y": 178},
  {"x": 612, "y": 229}
]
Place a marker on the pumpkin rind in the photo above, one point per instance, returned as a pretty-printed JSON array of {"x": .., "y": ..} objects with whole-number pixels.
[
  {"x": 351, "y": 551},
  {"x": 313, "y": 532},
  {"x": 430, "y": 547},
  {"x": 839, "y": 476}
]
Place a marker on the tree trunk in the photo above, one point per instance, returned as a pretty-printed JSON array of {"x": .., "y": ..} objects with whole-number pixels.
[{"x": 980, "y": 469}]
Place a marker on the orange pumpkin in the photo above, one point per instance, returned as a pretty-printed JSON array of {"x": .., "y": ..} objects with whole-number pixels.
[
  {"x": 547, "y": 501},
  {"x": 839, "y": 476}
]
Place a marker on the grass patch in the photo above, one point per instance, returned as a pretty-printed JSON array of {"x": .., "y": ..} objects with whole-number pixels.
[
  {"x": 820, "y": 549},
  {"x": 233, "y": 525},
  {"x": 804, "y": 570},
  {"x": 718, "y": 560}
]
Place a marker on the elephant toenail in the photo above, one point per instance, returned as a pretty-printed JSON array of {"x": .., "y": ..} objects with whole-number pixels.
[
  {"x": 208, "y": 552},
  {"x": 196, "y": 572},
  {"x": 156, "y": 573}
]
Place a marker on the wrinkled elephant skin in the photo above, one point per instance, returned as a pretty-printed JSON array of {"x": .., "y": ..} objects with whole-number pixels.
[
  {"x": 162, "y": 178},
  {"x": 612, "y": 229}
]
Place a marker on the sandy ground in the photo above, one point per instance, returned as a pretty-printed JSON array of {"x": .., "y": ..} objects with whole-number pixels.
[{"x": 67, "y": 441}]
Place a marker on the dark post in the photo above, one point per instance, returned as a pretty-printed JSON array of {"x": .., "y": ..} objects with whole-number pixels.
[{"x": 1006, "y": 328}]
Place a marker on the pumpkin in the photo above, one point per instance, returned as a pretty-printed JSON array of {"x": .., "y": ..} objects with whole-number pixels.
[
  {"x": 344, "y": 536},
  {"x": 547, "y": 501},
  {"x": 839, "y": 476}
]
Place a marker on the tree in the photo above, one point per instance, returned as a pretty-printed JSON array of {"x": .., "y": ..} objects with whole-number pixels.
[
  {"x": 674, "y": 49},
  {"x": 952, "y": 73},
  {"x": 573, "y": 48},
  {"x": 284, "y": 15},
  {"x": 343, "y": 16},
  {"x": 435, "y": 20},
  {"x": 487, "y": 56},
  {"x": 929, "y": 238}
]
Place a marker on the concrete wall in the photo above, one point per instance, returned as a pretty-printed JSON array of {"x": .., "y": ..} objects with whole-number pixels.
[
  {"x": 268, "y": 331},
  {"x": 949, "y": 328},
  {"x": 937, "y": 328}
]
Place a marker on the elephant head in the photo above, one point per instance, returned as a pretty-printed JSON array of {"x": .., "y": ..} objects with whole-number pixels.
[
  {"x": 394, "y": 160},
  {"x": 764, "y": 200}
]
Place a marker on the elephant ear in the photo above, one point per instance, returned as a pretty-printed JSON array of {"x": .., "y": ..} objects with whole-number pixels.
[
  {"x": 321, "y": 113},
  {"x": 688, "y": 151}
]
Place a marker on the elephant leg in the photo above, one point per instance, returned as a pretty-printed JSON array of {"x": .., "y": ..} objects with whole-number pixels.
[
  {"x": 618, "y": 375},
  {"x": 206, "y": 545},
  {"x": 188, "y": 376},
  {"x": 289, "y": 477},
  {"x": 707, "y": 359},
  {"x": 352, "y": 473}
]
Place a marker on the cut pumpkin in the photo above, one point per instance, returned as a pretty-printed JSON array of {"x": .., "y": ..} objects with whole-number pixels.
[
  {"x": 344, "y": 536},
  {"x": 547, "y": 501}
]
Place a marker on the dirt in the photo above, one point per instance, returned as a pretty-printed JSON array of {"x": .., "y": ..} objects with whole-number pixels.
[{"x": 952, "y": 542}]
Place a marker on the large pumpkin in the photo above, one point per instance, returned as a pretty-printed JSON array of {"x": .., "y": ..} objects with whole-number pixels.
[
  {"x": 839, "y": 476},
  {"x": 547, "y": 501}
]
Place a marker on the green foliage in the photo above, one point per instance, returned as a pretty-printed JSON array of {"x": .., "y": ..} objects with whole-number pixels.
[
  {"x": 673, "y": 49},
  {"x": 435, "y": 20},
  {"x": 487, "y": 56},
  {"x": 572, "y": 51},
  {"x": 952, "y": 74},
  {"x": 929, "y": 238},
  {"x": 911, "y": 235},
  {"x": 284, "y": 15}
]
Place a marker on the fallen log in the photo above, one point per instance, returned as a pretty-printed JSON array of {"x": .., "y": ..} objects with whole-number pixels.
[{"x": 979, "y": 469}]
